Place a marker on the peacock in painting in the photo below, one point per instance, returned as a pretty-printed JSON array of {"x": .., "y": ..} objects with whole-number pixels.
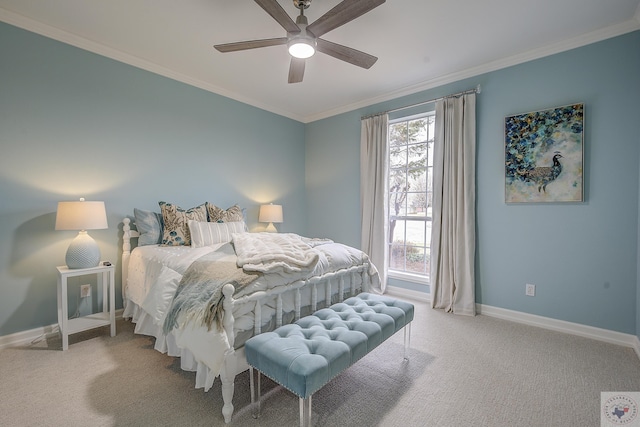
[
  {"x": 535, "y": 143},
  {"x": 543, "y": 175}
]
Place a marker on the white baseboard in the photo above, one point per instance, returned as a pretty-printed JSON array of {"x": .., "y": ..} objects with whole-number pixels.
[
  {"x": 636, "y": 346},
  {"x": 408, "y": 293},
  {"x": 24, "y": 338},
  {"x": 33, "y": 335},
  {"x": 612, "y": 337}
]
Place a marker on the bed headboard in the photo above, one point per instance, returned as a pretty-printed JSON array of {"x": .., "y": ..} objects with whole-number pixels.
[{"x": 127, "y": 235}]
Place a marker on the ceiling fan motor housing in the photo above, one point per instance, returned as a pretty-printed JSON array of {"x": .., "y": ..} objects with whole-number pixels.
[
  {"x": 302, "y": 4},
  {"x": 303, "y": 44}
]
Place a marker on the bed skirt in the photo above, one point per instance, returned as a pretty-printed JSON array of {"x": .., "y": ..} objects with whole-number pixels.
[{"x": 166, "y": 344}]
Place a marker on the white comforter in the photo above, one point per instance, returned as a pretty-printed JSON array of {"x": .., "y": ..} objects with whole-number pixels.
[
  {"x": 155, "y": 272},
  {"x": 283, "y": 253}
]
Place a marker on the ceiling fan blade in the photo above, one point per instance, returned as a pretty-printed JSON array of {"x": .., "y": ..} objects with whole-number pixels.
[
  {"x": 273, "y": 8},
  {"x": 346, "y": 11},
  {"x": 296, "y": 70},
  {"x": 345, "y": 53},
  {"x": 251, "y": 44}
]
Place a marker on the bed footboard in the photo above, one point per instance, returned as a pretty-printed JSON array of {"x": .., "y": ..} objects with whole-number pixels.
[
  {"x": 327, "y": 279},
  {"x": 235, "y": 361}
]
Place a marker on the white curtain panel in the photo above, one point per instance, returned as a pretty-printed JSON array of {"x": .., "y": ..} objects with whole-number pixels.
[
  {"x": 373, "y": 191},
  {"x": 453, "y": 237}
]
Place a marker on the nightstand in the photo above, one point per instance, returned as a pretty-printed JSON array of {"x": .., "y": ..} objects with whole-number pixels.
[{"x": 106, "y": 317}]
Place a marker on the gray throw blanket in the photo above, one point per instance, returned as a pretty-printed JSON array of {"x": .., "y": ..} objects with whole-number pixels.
[{"x": 199, "y": 294}]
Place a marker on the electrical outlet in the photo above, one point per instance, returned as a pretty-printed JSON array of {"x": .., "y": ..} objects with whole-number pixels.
[
  {"x": 85, "y": 291},
  {"x": 530, "y": 290}
]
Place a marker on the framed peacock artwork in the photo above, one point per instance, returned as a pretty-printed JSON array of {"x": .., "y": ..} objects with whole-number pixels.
[{"x": 544, "y": 155}]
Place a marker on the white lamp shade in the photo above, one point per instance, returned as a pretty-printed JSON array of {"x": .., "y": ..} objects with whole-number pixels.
[
  {"x": 81, "y": 215},
  {"x": 270, "y": 213},
  {"x": 83, "y": 252}
]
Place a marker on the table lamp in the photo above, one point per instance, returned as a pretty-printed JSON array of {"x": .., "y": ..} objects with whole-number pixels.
[
  {"x": 272, "y": 214},
  {"x": 83, "y": 252}
]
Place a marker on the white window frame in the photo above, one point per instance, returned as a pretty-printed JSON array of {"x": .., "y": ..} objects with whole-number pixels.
[{"x": 420, "y": 278}]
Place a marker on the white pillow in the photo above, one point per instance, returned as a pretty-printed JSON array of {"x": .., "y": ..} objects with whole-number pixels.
[{"x": 211, "y": 233}]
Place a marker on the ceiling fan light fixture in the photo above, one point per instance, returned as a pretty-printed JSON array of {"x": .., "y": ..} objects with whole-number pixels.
[
  {"x": 302, "y": 44},
  {"x": 301, "y": 47}
]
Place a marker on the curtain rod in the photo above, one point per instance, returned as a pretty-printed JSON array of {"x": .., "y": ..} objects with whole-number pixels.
[{"x": 477, "y": 89}]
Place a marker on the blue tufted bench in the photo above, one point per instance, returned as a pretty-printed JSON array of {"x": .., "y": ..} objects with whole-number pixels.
[{"x": 306, "y": 355}]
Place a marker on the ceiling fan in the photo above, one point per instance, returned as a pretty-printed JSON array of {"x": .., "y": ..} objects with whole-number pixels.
[{"x": 304, "y": 39}]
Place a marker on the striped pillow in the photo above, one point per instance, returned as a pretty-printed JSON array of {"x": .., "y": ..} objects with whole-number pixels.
[{"x": 211, "y": 233}]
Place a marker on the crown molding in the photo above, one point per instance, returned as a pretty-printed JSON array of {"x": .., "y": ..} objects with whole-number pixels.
[
  {"x": 583, "y": 40},
  {"x": 100, "y": 49},
  {"x": 57, "y": 34}
]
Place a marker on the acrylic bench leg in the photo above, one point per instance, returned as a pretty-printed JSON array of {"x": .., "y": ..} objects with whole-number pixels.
[
  {"x": 259, "y": 408},
  {"x": 252, "y": 386},
  {"x": 305, "y": 412},
  {"x": 407, "y": 340},
  {"x": 255, "y": 392}
]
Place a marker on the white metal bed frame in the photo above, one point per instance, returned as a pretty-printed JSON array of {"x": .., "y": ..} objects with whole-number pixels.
[{"x": 235, "y": 360}]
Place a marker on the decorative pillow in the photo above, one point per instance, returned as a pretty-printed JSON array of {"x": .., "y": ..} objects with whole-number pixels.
[
  {"x": 210, "y": 233},
  {"x": 149, "y": 225},
  {"x": 216, "y": 214},
  {"x": 176, "y": 228}
]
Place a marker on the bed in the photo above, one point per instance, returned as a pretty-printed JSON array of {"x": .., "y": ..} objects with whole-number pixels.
[{"x": 203, "y": 297}]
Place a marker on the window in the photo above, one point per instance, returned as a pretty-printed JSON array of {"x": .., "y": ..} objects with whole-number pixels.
[{"x": 410, "y": 196}]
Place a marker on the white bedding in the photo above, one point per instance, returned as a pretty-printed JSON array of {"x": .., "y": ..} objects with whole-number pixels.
[
  {"x": 155, "y": 272},
  {"x": 283, "y": 253}
]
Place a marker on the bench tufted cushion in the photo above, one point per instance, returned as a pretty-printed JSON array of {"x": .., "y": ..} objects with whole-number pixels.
[{"x": 306, "y": 355}]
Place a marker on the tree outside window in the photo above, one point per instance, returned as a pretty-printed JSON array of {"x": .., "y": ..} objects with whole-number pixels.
[{"x": 410, "y": 194}]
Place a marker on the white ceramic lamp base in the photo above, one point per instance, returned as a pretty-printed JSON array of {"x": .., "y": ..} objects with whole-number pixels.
[
  {"x": 271, "y": 228},
  {"x": 83, "y": 252}
]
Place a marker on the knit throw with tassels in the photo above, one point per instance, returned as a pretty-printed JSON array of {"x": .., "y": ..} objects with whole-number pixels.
[{"x": 199, "y": 294}]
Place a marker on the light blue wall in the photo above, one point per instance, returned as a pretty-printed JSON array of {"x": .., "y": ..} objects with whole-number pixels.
[
  {"x": 582, "y": 257},
  {"x": 75, "y": 124}
]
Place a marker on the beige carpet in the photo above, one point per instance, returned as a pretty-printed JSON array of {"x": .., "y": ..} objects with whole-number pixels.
[{"x": 463, "y": 371}]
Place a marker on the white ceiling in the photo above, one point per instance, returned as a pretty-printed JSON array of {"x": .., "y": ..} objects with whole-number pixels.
[{"x": 420, "y": 44}]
